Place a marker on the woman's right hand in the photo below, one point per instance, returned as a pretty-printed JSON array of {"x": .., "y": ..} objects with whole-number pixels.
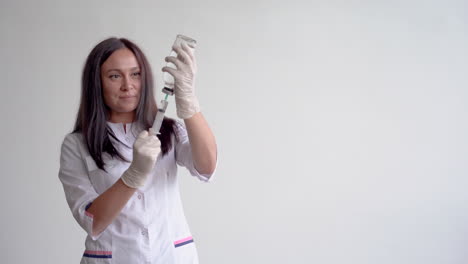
[{"x": 145, "y": 153}]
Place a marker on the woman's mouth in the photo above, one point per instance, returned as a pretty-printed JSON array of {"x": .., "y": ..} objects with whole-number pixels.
[{"x": 127, "y": 97}]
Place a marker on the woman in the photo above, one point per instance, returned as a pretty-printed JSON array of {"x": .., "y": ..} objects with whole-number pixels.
[{"x": 120, "y": 180}]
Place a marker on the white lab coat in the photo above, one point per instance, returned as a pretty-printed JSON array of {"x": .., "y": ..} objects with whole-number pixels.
[{"x": 151, "y": 228}]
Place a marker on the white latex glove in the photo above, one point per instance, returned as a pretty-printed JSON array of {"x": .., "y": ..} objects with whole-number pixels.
[
  {"x": 184, "y": 79},
  {"x": 145, "y": 153}
]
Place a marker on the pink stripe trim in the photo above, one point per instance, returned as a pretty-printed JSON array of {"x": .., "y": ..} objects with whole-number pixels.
[
  {"x": 183, "y": 240},
  {"x": 89, "y": 214},
  {"x": 98, "y": 252}
]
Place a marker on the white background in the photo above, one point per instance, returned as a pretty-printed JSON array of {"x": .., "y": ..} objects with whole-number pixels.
[{"x": 341, "y": 125}]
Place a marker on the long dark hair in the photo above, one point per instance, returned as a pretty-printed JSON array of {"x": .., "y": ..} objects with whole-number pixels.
[{"x": 93, "y": 112}]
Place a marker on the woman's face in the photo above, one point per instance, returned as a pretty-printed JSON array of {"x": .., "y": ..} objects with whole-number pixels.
[{"x": 121, "y": 84}]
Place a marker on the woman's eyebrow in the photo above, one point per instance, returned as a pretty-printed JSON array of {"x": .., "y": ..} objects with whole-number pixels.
[{"x": 131, "y": 69}]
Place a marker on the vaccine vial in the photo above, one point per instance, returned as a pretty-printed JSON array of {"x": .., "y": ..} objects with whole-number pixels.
[{"x": 168, "y": 79}]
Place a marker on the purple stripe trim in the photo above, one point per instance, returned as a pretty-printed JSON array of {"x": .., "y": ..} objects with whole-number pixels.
[
  {"x": 96, "y": 256},
  {"x": 184, "y": 243}
]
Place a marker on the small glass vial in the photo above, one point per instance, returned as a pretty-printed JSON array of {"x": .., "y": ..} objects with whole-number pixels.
[{"x": 168, "y": 79}]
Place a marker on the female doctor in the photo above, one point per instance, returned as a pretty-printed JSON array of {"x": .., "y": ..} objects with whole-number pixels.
[{"x": 120, "y": 180}]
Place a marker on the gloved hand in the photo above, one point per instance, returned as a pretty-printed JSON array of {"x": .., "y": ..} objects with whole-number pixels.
[
  {"x": 184, "y": 79},
  {"x": 145, "y": 153}
]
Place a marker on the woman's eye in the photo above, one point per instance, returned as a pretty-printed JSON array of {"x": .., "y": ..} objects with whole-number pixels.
[
  {"x": 114, "y": 76},
  {"x": 136, "y": 74}
]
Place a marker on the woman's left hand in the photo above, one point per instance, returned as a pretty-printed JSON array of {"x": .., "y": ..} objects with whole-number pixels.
[{"x": 184, "y": 75}]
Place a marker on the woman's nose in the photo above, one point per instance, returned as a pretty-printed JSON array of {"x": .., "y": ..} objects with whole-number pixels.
[{"x": 126, "y": 84}]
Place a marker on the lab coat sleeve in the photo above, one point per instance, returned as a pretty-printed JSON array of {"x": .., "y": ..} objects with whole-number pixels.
[
  {"x": 183, "y": 154},
  {"x": 78, "y": 189}
]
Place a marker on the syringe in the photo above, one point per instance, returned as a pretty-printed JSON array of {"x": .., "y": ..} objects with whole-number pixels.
[{"x": 161, "y": 111}]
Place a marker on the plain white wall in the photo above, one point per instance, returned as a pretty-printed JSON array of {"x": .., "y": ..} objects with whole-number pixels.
[{"x": 341, "y": 125}]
